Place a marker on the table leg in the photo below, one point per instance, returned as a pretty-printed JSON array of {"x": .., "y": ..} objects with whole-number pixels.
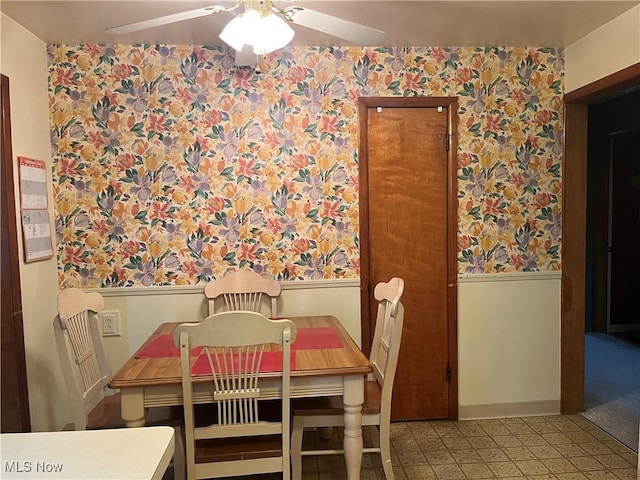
[
  {"x": 132, "y": 407},
  {"x": 352, "y": 398}
]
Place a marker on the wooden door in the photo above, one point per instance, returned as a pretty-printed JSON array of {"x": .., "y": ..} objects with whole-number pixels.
[
  {"x": 15, "y": 399},
  {"x": 407, "y": 223}
]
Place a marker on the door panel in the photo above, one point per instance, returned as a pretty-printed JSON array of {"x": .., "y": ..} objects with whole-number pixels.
[{"x": 407, "y": 237}]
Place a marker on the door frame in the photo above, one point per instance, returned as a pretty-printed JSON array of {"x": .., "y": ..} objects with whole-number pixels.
[
  {"x": 574, "y": 215},
  {"x": 450, "y": 105},
  {"x": 15, "y": 395}
]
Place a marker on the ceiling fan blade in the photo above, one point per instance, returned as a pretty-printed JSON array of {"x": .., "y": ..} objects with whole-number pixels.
[
  {"x": 338, "y": 27},
  {"x": 245, "y": 57},
  {"x": 155, "y": 22}
]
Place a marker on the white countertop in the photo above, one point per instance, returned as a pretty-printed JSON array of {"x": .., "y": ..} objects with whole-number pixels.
[{"x": 122, "y": 454}]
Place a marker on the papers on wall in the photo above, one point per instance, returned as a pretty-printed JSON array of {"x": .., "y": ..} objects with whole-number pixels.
[{"x": 36, "y": 229}]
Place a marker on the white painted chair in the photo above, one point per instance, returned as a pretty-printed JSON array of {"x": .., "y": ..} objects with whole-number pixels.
[
  {"x": 376, "y": 410},
  {"x": 87, "y": 373},
  {"x": 243, "y": 290},
  {"x": 234, "y": 439}
]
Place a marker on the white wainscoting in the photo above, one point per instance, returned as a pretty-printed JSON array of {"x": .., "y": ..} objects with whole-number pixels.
[
  {"x": 141, "y": 310},
  {"x": 509, "y": 344},
  {"x": 508, "y": 332}
]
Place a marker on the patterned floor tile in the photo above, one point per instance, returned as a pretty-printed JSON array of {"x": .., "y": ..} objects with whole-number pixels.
[{"x": 555, "y": 447}]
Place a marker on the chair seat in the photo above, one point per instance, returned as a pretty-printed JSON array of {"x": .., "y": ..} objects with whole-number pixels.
[
  {"x": 240, "y": 448},
  {"x": 107, "y": 414},
  {"x": 334, "y": 406}
]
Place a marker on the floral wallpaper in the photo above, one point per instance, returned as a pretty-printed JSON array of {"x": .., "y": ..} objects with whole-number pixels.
[{"x": 171, "y": 166}]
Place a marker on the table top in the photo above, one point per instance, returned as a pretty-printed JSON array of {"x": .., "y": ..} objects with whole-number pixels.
[
  {"x": 131, "y": 453},
  {"x": 316, "y": 361}
]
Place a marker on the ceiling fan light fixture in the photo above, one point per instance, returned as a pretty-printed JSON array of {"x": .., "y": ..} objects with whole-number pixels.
[
  {"x": 251, "y": 21},
  {"x": 272, "y": 34},
  {"x": 233, "y": 33},
  {"x": 264, "y": 32}
]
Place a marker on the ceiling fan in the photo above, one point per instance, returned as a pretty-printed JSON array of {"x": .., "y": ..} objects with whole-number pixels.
[{"x": 263, "y": 27}]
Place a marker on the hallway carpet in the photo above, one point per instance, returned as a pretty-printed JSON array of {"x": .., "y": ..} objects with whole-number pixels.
[{"x": 612, "y": 386}]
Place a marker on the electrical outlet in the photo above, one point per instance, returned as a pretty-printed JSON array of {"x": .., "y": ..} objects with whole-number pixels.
[{"x": 110, "y": 323}]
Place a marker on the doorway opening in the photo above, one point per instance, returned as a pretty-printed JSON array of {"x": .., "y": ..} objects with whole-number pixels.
[
  {"x": 612, "y": 324},
  {"x": 584, "y": 287}
]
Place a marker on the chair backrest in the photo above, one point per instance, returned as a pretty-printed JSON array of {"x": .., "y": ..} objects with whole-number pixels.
[
  {"x": 243, "y": 290},
  {"x": 387, "y": 337},
  {"x": 84, "y": 365},
  {"x": 235, "y": 355}
]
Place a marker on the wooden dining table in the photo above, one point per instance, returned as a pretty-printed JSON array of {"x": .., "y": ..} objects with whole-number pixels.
[{"x": 325, "y": 362}]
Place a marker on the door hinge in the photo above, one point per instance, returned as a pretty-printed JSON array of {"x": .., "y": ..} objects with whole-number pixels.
[
  {"x": 447, "y": 142},
  {"x": 448, "y": 373}
]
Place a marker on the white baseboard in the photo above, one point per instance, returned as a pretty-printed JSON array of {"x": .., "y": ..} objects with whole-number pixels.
[{"x": 503, "y": 410}]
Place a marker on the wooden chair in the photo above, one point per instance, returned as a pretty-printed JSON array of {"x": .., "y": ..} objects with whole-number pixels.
[
  {"x": 87, "y": 373},
  {"x": 376, "y": 409},
  {"x": 243, "y": 290},
  {"x": 234, "y": 439}
]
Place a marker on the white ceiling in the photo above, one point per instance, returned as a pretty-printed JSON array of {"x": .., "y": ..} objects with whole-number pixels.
[{"x": 421, "y": 23}]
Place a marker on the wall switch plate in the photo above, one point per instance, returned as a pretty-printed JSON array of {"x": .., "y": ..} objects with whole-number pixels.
[{"x": 110, "y": 323}]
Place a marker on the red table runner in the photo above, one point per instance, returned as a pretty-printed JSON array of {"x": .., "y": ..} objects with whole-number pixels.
[
  {"x": 306, "y": 339},
  {"x": 319, "y": 337},
  {"x": 163, "y": 346},
  {"x": 271, "y": 362}
]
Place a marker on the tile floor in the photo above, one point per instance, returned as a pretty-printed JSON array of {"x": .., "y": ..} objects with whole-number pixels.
[
  {"x": 549, "y": 447},
  {"x": 555, "y": 447}
]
